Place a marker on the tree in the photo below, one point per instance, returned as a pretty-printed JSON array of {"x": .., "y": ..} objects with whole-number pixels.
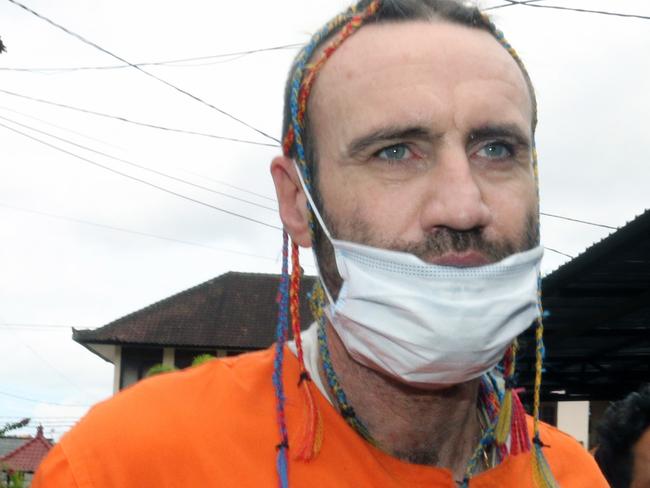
[
  {"x": 9, "y": 426},
  {"x": 3, "y": 48},
  {"x": 201, "y": 358}
]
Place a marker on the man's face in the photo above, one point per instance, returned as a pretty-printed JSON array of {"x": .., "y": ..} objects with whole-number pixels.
[{"x": 423, "y": 136}]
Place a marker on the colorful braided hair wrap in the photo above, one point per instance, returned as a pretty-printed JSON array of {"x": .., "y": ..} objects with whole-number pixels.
[{"x": 507, "y": 430}]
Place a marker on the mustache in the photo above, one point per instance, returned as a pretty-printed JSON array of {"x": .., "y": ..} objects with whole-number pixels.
[{"x": 446, "y": 240}]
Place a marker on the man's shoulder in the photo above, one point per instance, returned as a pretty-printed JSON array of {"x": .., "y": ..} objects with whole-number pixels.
[
  {"x": 180, "y": 400},
  {"x": 184, "y": 424},
  {"x": 569, "y": 460},
  {"x": 209, "y": 381}
]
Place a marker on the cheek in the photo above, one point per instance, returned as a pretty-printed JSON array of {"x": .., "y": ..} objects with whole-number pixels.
[{"x": 511, "y": 203}]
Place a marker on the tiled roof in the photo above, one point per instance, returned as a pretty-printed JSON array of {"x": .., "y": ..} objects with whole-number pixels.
[
  {"x": 8, "y": 444},
  {"x": 27, "y": 456},
  {"x": 234, "y": 310}
]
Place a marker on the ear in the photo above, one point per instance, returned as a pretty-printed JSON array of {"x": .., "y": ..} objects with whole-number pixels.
[{"x": 292, "y": 200}]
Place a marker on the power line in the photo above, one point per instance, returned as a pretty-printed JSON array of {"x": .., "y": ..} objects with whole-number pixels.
[
  {"x": 139, "y": 166},
  {"x": 50, "y": 366},
  {"x": 130, "y": 231},
  {"x": 27, "y": 399},
  {"x": 578, "y": 220},
  {"x": 523, "y": 2},
  {"x": 144, "y": 182},
  {"x": 135, "y": 122},
  {"x": 558, "y": 252},
  {"x": 151, "y": 75},
  {"x": 172, "y": 62},
  {"x": 22, "y": 324},
  {"x": 557, "y": 7},
  {"x": 66, "y": 129}
]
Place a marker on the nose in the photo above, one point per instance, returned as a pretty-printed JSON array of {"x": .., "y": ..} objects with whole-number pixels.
[{"x": 454, "y": 197}]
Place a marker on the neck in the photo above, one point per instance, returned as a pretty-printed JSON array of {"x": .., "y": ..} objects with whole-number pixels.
[{"x": 434, "y": 427}]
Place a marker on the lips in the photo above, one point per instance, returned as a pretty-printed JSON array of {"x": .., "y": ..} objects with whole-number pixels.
[{"x": 461, "y": 260}]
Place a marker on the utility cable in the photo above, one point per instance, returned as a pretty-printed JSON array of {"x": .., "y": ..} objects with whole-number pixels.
[
  {"x": 66, "y": 129},
  {"x": 49, "y": 365},
  {"x": 130, "y": 231},
  {"x": 144, "y": 182},
  {"x": 578, "y": 220},
  {"x": 135, "y": 122},
  {"x": 558, "y": 252},
  {"x": 172, "y": 62},
  {"x": 151, "y": 75},
  {"x": 523, "y": 2},
  {"x": 139, "y": 166},
  {"x": 571, "y": 9},
  {"x": 27, "y": 399}
]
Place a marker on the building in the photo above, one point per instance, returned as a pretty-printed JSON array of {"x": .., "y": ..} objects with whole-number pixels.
[
  {"x": 228, "y": 315},
  {"x": 23, "y": 454}
]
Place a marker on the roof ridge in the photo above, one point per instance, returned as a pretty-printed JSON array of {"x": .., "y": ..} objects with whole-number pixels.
[{"x": 26, "y": 444}]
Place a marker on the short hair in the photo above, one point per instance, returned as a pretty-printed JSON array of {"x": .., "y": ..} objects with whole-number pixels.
[
  {"x": 394, "y": 11},
  {"x": 623, "y": 423}
]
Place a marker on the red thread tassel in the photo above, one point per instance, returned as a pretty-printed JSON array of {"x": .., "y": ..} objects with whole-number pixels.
[
  {"x": 519, "y": 441},
  {"x": 311, "y": 437}
]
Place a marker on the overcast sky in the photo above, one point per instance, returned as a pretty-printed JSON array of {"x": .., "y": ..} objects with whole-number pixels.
[{"x": 81, "y": 246}]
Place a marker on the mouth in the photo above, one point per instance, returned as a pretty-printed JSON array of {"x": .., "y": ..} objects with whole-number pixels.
[{"x": 461, "y": 260}]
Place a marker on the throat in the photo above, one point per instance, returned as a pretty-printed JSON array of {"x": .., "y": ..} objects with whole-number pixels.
[{"x": 429, "y": 427}]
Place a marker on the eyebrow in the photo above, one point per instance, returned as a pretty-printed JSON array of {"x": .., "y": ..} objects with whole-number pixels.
[
  {"x": 391, "y": 133},
  {"x": 511, "y": 131}
]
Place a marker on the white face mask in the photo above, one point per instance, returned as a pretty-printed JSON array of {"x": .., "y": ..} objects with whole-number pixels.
[{"x": 426, "y": 324}]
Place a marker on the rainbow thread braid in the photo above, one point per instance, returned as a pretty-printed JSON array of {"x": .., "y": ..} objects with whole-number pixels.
[
  {"x": 312, "y": 432},
  {"x": 317, "y": 302},
  {"x": 281, "y": 337},
  {"x": 542, "y": 473},
  {"x": 490, "y": 400},
  {"x": 304, "y": 76}
]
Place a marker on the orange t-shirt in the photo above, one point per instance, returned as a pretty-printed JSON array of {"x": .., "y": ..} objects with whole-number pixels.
[{"x": 215, "y": 426}]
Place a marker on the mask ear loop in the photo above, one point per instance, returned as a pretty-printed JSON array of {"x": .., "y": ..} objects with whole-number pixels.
[{"x": 311, "y": 207}]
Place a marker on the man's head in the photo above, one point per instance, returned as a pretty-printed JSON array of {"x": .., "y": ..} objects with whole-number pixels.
[
  {"x": 418, "y": 136},
  {"x": 623, "y": 452}
]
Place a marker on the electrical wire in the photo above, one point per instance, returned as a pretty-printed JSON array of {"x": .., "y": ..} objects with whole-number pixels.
[
  {"x": 523, "y": 2},
  {"x": 49, "y": 365},
  {"x": 28, "y": 399},
  {"x": 134, "y": 232},
  {"x": 139, "y": 166},
  {"x": 151, "y": 75},
  {"x": 135, "y": 122},
  {"x": 571, "y": 9},
  {"x": 140, "y": 180},
  {"x": 558, "y": 252},
  {"x": 173, "y": 62},
  {"x": 562, "y": 217},
  {"x": 66, "y": 129}
]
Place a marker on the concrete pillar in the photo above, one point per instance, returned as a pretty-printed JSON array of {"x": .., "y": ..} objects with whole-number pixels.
[
  {"x": 117, "y": 371},
  {"x": 168, "y": 356},
  {"x": 573, "y": 418}
]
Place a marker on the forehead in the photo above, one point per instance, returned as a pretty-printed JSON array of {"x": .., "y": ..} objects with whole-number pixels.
[{"x": 424, "y": 70}]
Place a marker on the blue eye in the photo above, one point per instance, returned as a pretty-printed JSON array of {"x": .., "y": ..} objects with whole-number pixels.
[
  {"x": 397, "y": 152},
  {"x": 496, "y": 150}
]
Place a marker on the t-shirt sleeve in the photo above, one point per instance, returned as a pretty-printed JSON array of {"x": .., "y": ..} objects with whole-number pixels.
[{"x": 54, "y": 471}]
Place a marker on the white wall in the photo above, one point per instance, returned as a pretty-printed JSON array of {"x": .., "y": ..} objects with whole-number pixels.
[{"x": 573, "y": 418}]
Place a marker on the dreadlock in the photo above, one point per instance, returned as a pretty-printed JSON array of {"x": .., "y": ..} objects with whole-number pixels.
[{"x": 508, "y": 431}]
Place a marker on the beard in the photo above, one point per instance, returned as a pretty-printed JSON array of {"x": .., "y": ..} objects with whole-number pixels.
[{"x": 444, "y": 240}]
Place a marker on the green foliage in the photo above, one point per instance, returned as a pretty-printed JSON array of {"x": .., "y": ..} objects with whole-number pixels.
[
  {"x": 8, "y": 427},
  {"x": 202, "y": 358},
  {"x": 159, "y": 369}
]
